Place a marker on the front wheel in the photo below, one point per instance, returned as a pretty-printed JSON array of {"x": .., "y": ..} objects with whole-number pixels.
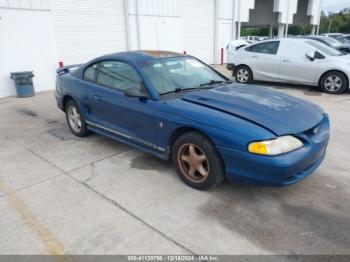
[
  {"x": 197, "y": 162},
  {"x": 243, "y": 75},
  {"x": 75, "y": 119},
  {"x": 334, "y": 83}
]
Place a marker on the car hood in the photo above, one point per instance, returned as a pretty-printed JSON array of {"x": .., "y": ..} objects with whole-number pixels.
[{"x": 275, "y": 111}]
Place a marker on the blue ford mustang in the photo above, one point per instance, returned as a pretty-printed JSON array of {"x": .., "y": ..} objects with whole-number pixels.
[{"x": 176, "y": 107}]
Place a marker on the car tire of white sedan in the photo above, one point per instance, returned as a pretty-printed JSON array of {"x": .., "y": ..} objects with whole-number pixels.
[
  {"x": 243, "y": 75},
  {"x": 197, "y": 161},
  {"x": 334, "y": 83},
  {"x": 75, "y": 119}
]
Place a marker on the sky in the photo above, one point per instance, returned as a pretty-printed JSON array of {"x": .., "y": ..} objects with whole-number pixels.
[{"x": 334, "y": 5}]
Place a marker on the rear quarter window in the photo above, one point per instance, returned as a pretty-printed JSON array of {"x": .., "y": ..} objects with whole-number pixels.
[
  {"x": 90, "y": 72},
  {"x": 264, "y": 48}
]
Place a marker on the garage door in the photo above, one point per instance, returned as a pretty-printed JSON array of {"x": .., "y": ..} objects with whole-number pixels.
[
  {"x": 198, "y": 28},
  {"x": 85, "y": 29}
]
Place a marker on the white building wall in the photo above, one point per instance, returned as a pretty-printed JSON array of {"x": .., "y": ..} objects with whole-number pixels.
[
  {"x": 230, "y": 13},
  {"x": 173, "y": 25},
  {"x": 314, "y": 11},
  {"x": 26, "y": 44},
  {"x": 224, "y": 27},
  {"x": 155, "y": 24},
  {"x": 241, "y": 9},
  {"x": 287, "y": 10},
  {"x": 164, "y": 8},
  {"x": 238, "y": 10},
  {"x": 225, "y": 9},
  {"x": 26, "y": 4},
  {"x": 198, "y": 25}
]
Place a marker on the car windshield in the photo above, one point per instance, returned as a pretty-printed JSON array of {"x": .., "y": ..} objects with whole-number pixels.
[
  {"x": 331, "y": 41},
  {"x": 180, "y": 73},
  {"x": 323, "y": 48},
  {"x": 344, "y": 40},
  {"x": 335, "y": 35}
]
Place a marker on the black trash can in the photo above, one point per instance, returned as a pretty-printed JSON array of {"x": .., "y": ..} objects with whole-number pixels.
[{"x": 24, "y": 83}]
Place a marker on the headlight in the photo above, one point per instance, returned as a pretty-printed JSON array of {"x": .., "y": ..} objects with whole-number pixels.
[{"x": 280, "y": 145}]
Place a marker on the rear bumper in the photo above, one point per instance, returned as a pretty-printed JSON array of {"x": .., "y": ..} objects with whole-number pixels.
[
  {"x": 59, "y": 101},
  {"x": 282, "y": 170},
  {"x": 231, "y": 67}
]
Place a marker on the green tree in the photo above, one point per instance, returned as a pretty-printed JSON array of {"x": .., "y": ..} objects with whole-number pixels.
[{"x": 335, "y": 22}]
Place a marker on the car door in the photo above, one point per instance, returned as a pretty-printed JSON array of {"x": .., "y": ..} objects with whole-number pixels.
[
  {"x": 130, "y": 118},
  {"x": 264, "y": 60},
  {"x": 296, "y": 67}
]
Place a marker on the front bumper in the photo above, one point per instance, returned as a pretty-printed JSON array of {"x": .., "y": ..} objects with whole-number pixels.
[{"x": 282, "y": 170}]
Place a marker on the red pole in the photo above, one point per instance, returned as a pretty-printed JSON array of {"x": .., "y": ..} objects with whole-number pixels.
[
  {"x": 60, "y": 64},
  {"x": 222, "y": 56}
]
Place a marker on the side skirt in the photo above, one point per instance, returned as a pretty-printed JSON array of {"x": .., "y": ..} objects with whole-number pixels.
[{"x": 134, "y": 142}]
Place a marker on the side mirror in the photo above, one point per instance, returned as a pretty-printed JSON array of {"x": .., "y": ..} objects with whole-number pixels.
[
  {"x": 137, "y": 92},
  {"x": 311, "y": 56}
]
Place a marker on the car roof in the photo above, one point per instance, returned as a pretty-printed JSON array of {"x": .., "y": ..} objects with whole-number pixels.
[
  {"x": 288, "y": 39},
  {"x": 297, "y": 39},
  {"x": 316, "y": 37},
  {"x": 140, "y": 56},
  {"x": 333, "y": 34}
]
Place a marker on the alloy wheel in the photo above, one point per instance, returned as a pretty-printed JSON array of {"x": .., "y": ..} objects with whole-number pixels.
[
  {"x": 243, "y": 75},
  {"x": 193, "y": 163},
  {"x": 333, "y": 83},
  {"x": 74, "y": 119}
]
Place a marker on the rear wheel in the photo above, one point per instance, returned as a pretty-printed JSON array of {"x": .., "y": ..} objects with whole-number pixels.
[
  {"x": 75, "y": 119},
  {"x": 243, "y": 75},
  {"x": 334, "y": 83},
  {"x": 197, "y": 162}
]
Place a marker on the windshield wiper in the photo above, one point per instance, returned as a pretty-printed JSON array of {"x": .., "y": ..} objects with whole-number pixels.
[
  {"x": 201, "y": 86},
  {"x": 213, "y": 82},
  {"x": 179, "y": 90}
]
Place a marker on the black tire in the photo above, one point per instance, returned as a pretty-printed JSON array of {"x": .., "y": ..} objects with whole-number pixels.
[
  {"x": 212, "y": 165},
  {"x": 334, "y": 83},
  {"x": 243, "y": 75},
  {"x": 82, "y": 131}
]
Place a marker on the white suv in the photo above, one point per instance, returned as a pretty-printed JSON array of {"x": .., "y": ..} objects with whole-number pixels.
[{"x": 297, "y": 61}]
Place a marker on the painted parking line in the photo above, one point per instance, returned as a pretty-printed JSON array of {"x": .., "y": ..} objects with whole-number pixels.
[{"x": 53, "y": 246}]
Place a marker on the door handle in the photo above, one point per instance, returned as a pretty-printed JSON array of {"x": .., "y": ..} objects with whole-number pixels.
[
  {"x": 255, "y": 56},
  {"x": 286, "y": 61},
  {"x": 97, "y": 98}
]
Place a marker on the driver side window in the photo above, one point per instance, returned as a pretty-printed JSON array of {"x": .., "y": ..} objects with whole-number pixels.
[{"x": 118, "y": 75}]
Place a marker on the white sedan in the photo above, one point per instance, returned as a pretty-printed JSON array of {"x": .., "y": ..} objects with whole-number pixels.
[{"x": 296, "y": 61}]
